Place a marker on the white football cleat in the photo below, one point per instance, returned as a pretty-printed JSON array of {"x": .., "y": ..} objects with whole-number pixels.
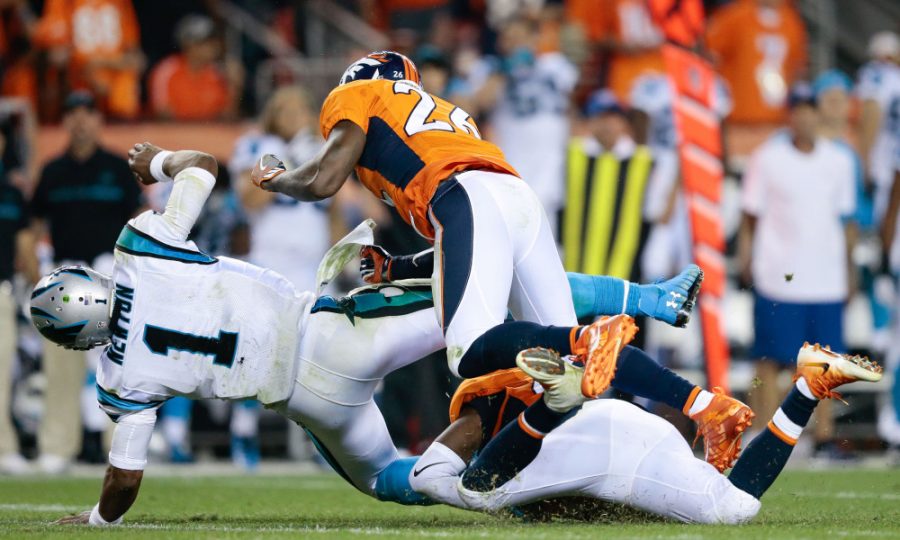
[
  {"x": 14, "y": 464},
  {"x": 52, "y": 464},
  {"x": 825, "y": 370},
  {"x": 560, "y": 379}
]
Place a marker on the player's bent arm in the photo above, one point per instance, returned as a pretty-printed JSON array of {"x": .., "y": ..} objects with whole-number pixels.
[
  {"x": 194, "y": 178},
  {"x": 437, "y": 473},
  {"x": 127, "y": 459},
  {"x": 322, "y": 177}
]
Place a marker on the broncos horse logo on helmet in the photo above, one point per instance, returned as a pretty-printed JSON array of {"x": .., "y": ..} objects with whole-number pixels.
[{"x": 382, "y": 65}]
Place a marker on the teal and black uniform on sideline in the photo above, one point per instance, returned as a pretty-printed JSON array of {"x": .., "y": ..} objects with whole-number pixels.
[
  {"x": 86, "y": 203},
  {"x": 13, "y": 218}
]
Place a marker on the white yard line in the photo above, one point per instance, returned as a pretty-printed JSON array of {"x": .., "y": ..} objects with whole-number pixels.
[
  {"x": 40, "y": 508},
  {"x": 364, "y": 531},
  {"x": 848, "y": 495}
]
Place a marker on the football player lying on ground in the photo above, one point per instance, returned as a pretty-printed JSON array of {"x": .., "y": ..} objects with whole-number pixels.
[
  {"x": 608, "y": 449},
  {"x": 181, "y": 323}
]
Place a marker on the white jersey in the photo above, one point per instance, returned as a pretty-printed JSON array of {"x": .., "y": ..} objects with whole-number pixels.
[
  {"x": 880, "y": 82},
  {"x": 531, "y": 124},
  {"x": 652, "y": 93},
  {"x": 188, "y": 324},
  {"x": 287, "y": 226},
  {"x": 800, "y": 201}
]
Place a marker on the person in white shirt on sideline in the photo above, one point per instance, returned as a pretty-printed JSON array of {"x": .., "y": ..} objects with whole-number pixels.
[{"x": 798, "y": 193}]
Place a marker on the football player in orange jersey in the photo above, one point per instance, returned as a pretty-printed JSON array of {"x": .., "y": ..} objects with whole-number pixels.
[{"x": 493, "y": 245}]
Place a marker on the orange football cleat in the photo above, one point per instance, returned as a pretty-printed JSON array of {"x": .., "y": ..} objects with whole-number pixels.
[
  {"x": 598, "y": 347},
  {"x": 825, "y": 370},
  {"x": 722, "y": 424}
]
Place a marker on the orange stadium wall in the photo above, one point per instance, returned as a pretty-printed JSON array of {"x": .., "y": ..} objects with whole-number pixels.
[{"x": 217, "y": 139}]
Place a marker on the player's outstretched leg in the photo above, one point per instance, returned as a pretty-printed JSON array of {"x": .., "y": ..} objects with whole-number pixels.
[
  {"x": 670, "y": 301},
  {"x": 819, "y": 372},
  {"x": 721, "y": 420},
  {"x": 519, "y": 442}
]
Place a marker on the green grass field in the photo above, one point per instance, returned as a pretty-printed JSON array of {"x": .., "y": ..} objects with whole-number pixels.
[{"x": 802, "y": 504}]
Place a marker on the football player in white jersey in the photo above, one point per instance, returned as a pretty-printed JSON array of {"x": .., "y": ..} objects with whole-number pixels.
[
  {"x": 608, "y": 449},
  {"x": 181, "y": 323}
]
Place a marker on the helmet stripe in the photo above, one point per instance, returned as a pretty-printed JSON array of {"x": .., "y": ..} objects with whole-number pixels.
[
  {"x": 42, "y": 290},
  {"x": 41, "y": 313}
]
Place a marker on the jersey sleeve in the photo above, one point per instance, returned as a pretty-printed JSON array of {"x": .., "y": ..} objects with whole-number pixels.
[
  {"x": 131, "y": 441},
  {"x": 347, "y": 102},
  {"x": 190, "y": 190}
]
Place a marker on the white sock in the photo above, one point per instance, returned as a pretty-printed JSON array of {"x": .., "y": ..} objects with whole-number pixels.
[
  {"x": 702, "y": 401},
  {"x": 804, "y": 389},
  {"x": 789, "y": 428}
]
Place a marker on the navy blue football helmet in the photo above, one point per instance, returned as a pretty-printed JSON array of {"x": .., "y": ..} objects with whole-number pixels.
[{"x": 382, "y": 65}]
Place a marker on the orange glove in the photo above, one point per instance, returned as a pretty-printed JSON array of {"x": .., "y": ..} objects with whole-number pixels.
[{"x": 375, "y": 264}]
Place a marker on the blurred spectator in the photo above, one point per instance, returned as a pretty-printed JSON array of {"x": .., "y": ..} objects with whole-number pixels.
[
  {"x": 98, "y": 43},
  {"x": 18, "y": 56},
  {"x": 85, "y": 196},
  {"x": 760, "y": 49},
  {"x": 889, "y": 411},
  {"x": 16, "y": 246},
  {"x": 611, "y": 177},
  {"x": 832, "y": 90},
  {"x": 196, "y": 84},
  {"x": 415, "y": 15},
  {"x": 287, "y": 236},
  {"x": 287, "y": 129},
  {"x": 626, "y": 31},
  {"x": 615, "y": 193},
  {"x": 529, "y": 93},
  {"x": 798, "y": 191},
  {"x": 434, "y": 69},
  {"x": 879, "y": 91},
  {"x": 669, "y": 246}
]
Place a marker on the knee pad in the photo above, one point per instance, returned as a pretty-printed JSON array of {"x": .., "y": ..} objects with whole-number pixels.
[{"x": 735, "y": 506}]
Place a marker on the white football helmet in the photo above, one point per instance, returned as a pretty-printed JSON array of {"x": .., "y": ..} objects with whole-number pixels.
[{"x": 71, "y": 307}]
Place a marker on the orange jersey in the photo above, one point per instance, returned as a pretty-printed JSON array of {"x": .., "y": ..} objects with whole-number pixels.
[
  {"x": 94, "y": 28},
  {"x": 514, "y": 392},
  {"x": 414, "y": 141},
  {"x": 623, "y": 22},
  {"x": 760, "y": 52}
]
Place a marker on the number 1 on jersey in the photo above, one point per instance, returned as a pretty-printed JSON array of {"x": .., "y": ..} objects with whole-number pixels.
[
  {"x": 222, "y": 349},
  {"x": 418, "y": 117}
]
